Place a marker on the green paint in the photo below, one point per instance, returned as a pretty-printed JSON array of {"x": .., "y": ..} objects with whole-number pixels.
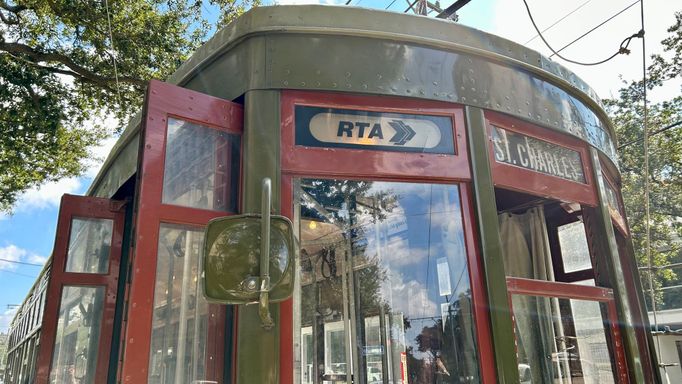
[
  {"x": 492, "y": 256},
  {"x": 257, "y": 349}
]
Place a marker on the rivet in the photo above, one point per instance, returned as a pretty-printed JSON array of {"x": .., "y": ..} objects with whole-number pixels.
[
  {"x": 473, "y": 89},
  {"x": 348, "y": 85},
  {"x": 464, "y": 98},
  {"x": 379, "y": 76},
  {"x": 421, "y": 92},
  {"x": 407, "y": 91},
  {"x": 364, "y": 86},
  {"x": 285, "y": 82},
  {"x": 475, "y": 101},
  {"x": 347, "y": 74},
  {"x": 518, "y": 111},
  {"x": 497, "y": 105},
  {"x": 288, "y": 72},
  {"x": 435, "y": 83},
  {"x": 302, "y": 83},
  {"x": 450, "y": 96},
  {"x": 319, "y": 84},
  {"x": 333, "y": 85},
  {"x": 462, "y": 88}
]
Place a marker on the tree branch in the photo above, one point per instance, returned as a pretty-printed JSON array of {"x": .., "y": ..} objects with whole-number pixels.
[{"x": 78, "y": 70}]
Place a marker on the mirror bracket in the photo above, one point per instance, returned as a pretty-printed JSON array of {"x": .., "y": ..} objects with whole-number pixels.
[{"x": 264, "y": 302}]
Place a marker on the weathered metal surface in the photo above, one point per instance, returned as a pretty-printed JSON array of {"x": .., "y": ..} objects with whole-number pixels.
[
  {"x": 356, "y": 50},
  {"x": 501, "y": 326}
]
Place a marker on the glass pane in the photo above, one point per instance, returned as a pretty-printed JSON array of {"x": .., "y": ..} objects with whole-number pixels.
[
  {"x": 178, "y": 345},
  {"x": 574, "y": 249},
  {"x": 201, "y": 168},
  {"x": 385, "y": 291},
  {"x": 89, "y": 245},
  {"x": 76, "y": 345},
  {"x": 561, "y": 341}
]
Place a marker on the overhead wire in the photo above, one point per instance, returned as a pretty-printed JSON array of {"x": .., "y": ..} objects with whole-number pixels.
[
  {"x": 664, "y": 129},
  {"x": 113, "y": 51},
  {"x": 558, "y": 21},
  {"x": 623, "y": 49},
  {"x": 20, "y": 262},
  {"x": 596, "y": 27}
]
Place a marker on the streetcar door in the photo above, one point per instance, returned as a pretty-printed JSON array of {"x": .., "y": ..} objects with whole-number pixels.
[
  {"x": 81, "y": 294},
  {"x": 385, "y": 287}
]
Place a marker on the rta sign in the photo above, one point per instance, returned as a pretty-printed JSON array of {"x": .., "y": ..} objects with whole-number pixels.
[{"x": 325, "y": 127}]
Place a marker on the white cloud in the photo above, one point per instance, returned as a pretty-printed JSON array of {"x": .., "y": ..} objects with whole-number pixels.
[
  {"x": 99, "y": 154},
  {"x": 6, "y": 318},
  {"x": 13, "y": 253},
  {"x": 47, "y": 195},
  {"x": 37, "y": 259}
]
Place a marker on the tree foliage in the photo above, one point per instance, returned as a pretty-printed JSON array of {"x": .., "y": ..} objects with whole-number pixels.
[
  {"x": 665, "y": 169},
  {"x": 65, "y": 62}
]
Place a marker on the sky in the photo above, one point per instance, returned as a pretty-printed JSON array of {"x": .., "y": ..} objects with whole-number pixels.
[{"x": 28, "y": 235}]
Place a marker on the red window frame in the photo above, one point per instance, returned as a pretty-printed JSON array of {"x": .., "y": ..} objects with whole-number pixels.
[
  {"x": 536, "y": 183},
  {"x": 81, "y": 207},
  {"x": 297, "y": 159},
  {"x": 618, "y": 216},
  {"x": 530, "y": 287},
  {"x": 300, "y": 161},
  {"x": 164, "y": 101}
]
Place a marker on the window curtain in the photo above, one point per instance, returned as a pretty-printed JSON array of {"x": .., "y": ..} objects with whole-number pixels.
[{"x": 539, "y": 330}]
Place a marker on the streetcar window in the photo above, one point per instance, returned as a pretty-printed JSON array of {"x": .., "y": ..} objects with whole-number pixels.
[
  {"x": 77, "y": 342},
  {"x": 200, "y": 169},
  {"x": 179, "y": 326},
  {"x": 89, "y": 245},
  {"x": 561, "y": 339},
  {"x": 385, "y": 291}
]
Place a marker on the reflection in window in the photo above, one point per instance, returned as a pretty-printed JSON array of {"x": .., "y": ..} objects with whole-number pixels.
[
  {"x": 201, "y": 168},
  {"x": 89, "y": 245},
  {"x": 385, "y": 291},
  {"x": 178, "y": 345},
  {"x": 76, "y": 345},
  {"x": 570, "y": 331}
]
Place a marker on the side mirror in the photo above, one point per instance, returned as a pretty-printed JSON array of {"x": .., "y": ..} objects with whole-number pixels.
[{"x": 249, "y": 258}]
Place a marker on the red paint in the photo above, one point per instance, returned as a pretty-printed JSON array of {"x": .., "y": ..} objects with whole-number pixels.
[
  {"x": 81, "y": 207},
  {"x": 164, "y": 101},
  {"x": 519, "y": 286},
  {"x": 300, "y": 162},
  {"x": 335, "y": 162},
  {"x": 478, "y": 289},
  {"x": 536, "y": 183},
  {"x": 617, "y": 216}
]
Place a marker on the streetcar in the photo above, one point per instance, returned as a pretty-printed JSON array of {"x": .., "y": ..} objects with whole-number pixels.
[{"x": 340, "y": 195}]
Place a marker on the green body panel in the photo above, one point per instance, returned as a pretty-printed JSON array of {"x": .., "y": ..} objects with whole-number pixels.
[
  {"x": 607, "y": 247},
  {"x": 383, "y": 53},
  {"x": 501, "y": 326},
  {"x": 258, "y": 350},
  {"x": 360, "y": 51}
]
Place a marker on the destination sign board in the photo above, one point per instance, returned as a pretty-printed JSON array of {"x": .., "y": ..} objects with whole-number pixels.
[
  {"x": 347, "y": 128},
  {"x": 537, "y": 155}
]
